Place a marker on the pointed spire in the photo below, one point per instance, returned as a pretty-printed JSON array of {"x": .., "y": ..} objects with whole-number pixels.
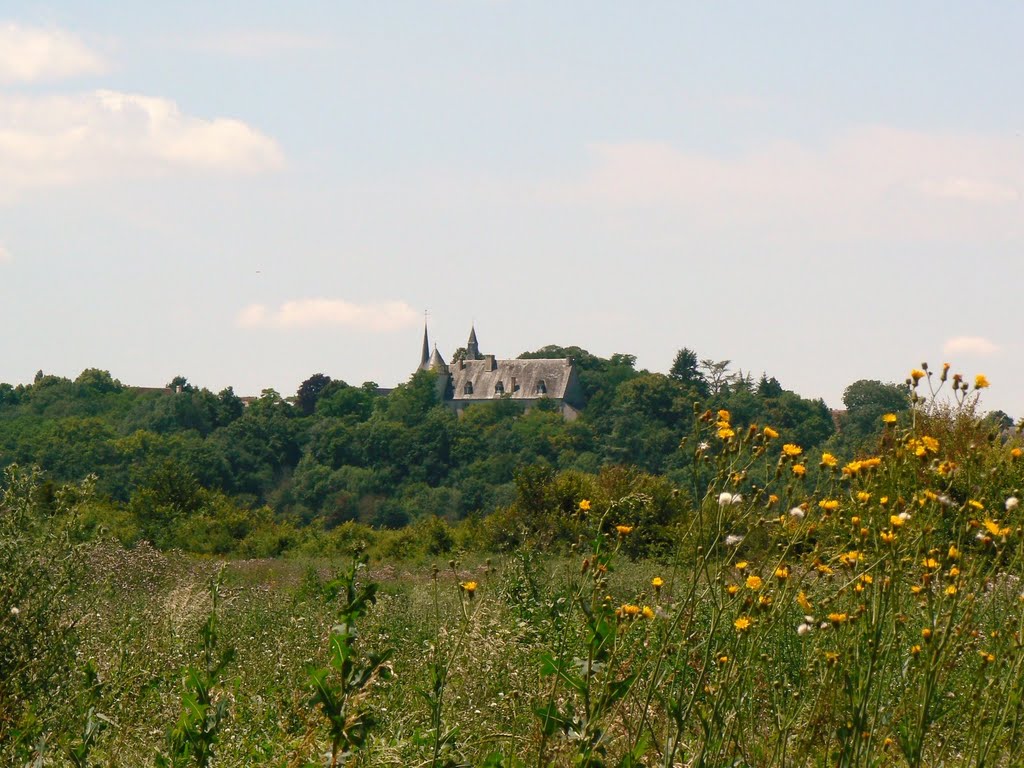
[
  {"x": 425, "y": 356},
  {"x": 436, "y": 361},
  {"x": 472, "y": 347}
]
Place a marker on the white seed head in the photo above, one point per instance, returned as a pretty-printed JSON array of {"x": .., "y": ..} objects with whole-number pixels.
[
  {"x": 1012, "y": 503},
  {"x": 733, "y": 540},
  {"x": 797, "y": 513},
  {"x": 724, "y": 498}
]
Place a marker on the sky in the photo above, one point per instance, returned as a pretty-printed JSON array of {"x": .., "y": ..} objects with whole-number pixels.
[{"x": 248, "y": 193}]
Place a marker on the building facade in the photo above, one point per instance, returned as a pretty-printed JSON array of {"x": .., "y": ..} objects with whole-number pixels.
[{"x": 478, "y": 378}]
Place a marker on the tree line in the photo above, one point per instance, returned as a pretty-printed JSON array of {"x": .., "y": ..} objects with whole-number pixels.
[{"x": 187, "y": 467}]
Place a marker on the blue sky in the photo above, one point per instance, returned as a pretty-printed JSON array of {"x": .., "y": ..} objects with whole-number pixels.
[{"x": 249, "y": 193}]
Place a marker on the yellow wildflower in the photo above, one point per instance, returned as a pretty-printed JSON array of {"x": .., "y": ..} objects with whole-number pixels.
[
  {"x": 725, "y": 433},
  {"x": 926, "y": 633},
  {"x": 585, "y": 505},
  {"x": 887, "y": 536},
  {"x": 993, "y": 527},
  {"x": 657, "y": 582},
  {"x": 916, "y": 589},
  {"x": 889, "y": 418},
  {"x": 849, "y": 558},
  {"x": 804, "y": 602},
  {"x": 732, "y": 589},
  {"x": 773, "y": 499},
  {"x": 799, "y": 470},
  {"x": 870, "y": 462},
  {"x": 1016, "y": 452},
  {"x": 469, "y": 587},
  {"x": 791, "y": 450},
  {"x": 828, "y": 460},
  {"x": 770, "y": 433},
  {"x": 837, "y": 618},
  {"x": 915, "y": 649},
  {"x": 930, "y": 562},
  {"x": 742, "y": 565},
  {"x": 884, "y": 500},
  {"x": 951, "y": 590},
  {"x": 628, "y": 611},
  {"x": 987, "y": 657},
  {"x": 852, "y": 468},
  {"x": 954, "y": 553},
  {"x": 782, "y": 572},
  {"x": 930, "y": 443},
  {"x": 975, "y": 504},
  {"x": 624, "y": 530},
  {"x": 895, "y": 521},
  {"x": 829, "y": 505},
  {"x": 917, "y": 374},
  {"x": 648, "y": 612},
  {"x": 724, "y": 415},
  {"x": 742, "y": 624},
  {"x": 863, "y": 496},
  {"x": 980, "y": 382},
  {"x": 754, "y": 582}
]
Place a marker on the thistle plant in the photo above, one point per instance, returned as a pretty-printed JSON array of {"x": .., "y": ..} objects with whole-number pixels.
[
  {"x": 341, "y": 687},
  {"x": 204, "y": 705}
]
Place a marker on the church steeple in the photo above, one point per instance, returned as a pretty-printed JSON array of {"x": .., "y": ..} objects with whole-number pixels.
[
  {"x": 425, "y": 356},
  {"x": 472, "y": 348}
]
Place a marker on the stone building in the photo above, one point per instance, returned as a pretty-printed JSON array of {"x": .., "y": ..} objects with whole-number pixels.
[{"x": 479, "y": 378}]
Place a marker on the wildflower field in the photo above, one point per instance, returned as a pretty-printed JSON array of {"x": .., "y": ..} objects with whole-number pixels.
[{"x": 812, "y": 610}]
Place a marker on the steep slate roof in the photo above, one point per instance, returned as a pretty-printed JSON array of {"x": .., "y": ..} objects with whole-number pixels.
[{"x": 558, "y": 376}]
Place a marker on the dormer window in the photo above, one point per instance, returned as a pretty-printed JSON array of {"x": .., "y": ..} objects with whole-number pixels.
[
  {"x": 468, "y": 389},
  {"x": 542, "y": 388},
  {"x": 499, "y": 388}
]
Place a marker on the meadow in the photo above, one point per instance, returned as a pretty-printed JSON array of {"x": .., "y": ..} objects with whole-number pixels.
[{"x": 809, "y": 611}]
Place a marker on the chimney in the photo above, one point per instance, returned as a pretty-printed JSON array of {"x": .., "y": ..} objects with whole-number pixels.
[{"x": 489, "y": 363}]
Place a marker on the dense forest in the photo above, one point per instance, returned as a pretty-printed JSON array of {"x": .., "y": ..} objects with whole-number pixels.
[{"x": 210, "y": 472}]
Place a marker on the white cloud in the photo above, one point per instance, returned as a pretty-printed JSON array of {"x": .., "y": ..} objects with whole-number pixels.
[
  {"x": 970, "y": 345},
  {"x": 66, "y": 139},
  {"x": 330, "y": 313},
  {"x": 30, "y": 54},
  {"x": 871, "y": 181},
  {"x": 971, "y": 190},
  {"x": 255, "y": 43},
  {"x": 5, "y": 255}
]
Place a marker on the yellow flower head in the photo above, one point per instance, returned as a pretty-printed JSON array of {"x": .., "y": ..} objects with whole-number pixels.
[
  {"x": 743, "y": 623},
  {"x": 732, "y": 589},
  {"x": 828, "y": 460},
  {"x": 647, "y": 612},
  {"x": 804, "y": 602},
  {"x": 849, "y": 558},
  {"x": 624, "y": 530},
  {"x": 895, "y": 521},
  {"x": 917, "y": 374},
  {"x": 951, "y": 590},
  {"x": 725, "y": 433},
  {"x": 628, "y": 611},
  {"x": 980, "y": 382},
  {"x": 799, "y": 470},
  {"x": 863, "y": 496},
  {"x": 852, "y": 468},
  {"x": 657, "y": 582},
  {"x": 838, "y": 618},
  {"x": 791, "y": 450},
  {"x": 1016, "y": 452},
  {"x": 782, "y": 572},
  {"x": 742, "y": 565},
  {"x": 887, "y": 536},
  {"x": 585, "y": 505},
  {"x": 724, "y": 415},
  {"x": 770, "y": 433},
  {"x": 754, "y": 582},
  {"x": 889, "y": 418},
  {"x": 469, "y": 587},
  {"x": 773, "y": 499},
  {"x": 829, "y": 505}
]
